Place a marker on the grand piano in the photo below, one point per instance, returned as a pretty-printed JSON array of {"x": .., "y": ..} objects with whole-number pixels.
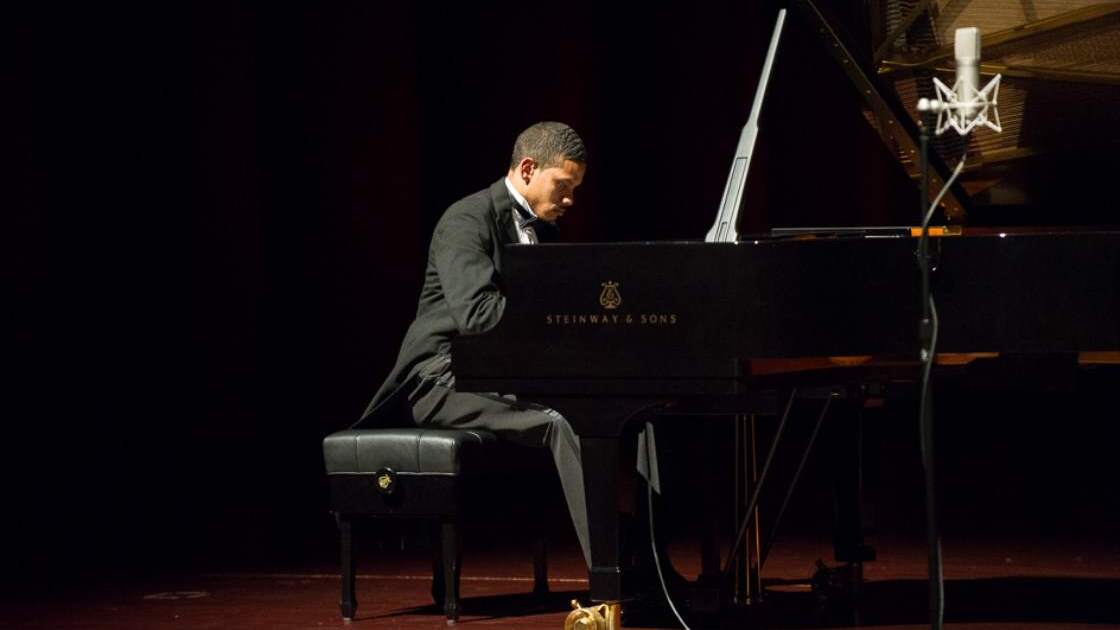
[{"x": 626, "y": 331}]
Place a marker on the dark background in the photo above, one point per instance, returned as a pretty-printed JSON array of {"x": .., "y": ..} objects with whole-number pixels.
[{"x": 221, "y": 214}]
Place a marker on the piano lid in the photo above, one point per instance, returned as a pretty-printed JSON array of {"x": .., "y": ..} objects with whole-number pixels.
[{"x": 1059, "y": 101}]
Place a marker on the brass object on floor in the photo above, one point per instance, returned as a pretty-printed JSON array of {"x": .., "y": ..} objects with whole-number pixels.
[{"x": 602, "y": 617}]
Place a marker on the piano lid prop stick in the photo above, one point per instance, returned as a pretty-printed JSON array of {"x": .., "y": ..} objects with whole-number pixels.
[{"x": 724, "y": 230}]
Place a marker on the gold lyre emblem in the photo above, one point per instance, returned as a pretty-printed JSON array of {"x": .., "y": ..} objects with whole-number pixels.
[{"x": 610, "y": 298}]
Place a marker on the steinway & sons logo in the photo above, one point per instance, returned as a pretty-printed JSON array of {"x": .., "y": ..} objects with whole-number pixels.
[{"x": 610, "y": 298}]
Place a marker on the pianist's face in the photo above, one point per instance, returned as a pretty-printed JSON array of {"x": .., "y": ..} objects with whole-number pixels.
[{"x": 551, "y": 189}]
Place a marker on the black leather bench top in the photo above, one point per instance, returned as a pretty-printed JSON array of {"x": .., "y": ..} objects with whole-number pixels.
[{"x": 405, "y": 450}]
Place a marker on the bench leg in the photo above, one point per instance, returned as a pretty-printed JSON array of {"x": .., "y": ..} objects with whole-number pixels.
[
  {"x": 438, "y": 584},
  {"x": 349, "y": 603},
  {"x": 451, "y": 560},
  {"x": 540, "y": 568}
]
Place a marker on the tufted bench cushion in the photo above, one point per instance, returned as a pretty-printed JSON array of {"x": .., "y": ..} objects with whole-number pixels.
[{"x": 412, "y": 451}]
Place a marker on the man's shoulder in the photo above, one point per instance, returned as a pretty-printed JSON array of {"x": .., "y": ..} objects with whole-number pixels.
[
  {"x": 474, "y": 208},
  {"x": 478, "y": 202},
  {"x": 475, "y": 203}
]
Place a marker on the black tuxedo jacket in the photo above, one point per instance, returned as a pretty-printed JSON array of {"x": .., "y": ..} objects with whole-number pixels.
[{"x": 462, "y": 293}]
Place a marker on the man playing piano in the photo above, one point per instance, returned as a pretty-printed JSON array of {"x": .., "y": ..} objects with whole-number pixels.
[{"x": 462, "y": 295}]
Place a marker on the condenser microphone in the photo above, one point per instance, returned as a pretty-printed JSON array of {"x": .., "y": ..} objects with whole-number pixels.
[
  {"x": 967, "y": 51},
  {"x": 965, "y": 105}
]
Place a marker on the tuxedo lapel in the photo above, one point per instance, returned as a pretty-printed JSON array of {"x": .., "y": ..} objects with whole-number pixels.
[{"x": 503, "y": 211}]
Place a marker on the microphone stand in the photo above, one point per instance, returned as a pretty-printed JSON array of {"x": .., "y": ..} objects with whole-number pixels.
[
  {"x": 956, "y": 115},
  {"x": 925, "y": 413}
]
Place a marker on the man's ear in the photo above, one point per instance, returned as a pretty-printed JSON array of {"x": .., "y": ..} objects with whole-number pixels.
[{"x": 526, "y": 168}]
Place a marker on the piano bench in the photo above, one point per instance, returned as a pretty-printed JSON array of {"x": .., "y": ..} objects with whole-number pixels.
[{"x": 413, "y": 473}]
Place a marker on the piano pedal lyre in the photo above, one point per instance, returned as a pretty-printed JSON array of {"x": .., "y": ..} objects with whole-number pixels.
[
  {"x": 607, "y": 616},
  {"x": 747, "y": 582}
]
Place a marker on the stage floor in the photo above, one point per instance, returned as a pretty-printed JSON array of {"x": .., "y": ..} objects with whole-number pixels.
[{"x": 991, "y": 585}]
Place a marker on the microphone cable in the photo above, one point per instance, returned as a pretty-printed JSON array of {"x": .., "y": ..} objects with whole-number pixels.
[
  {"x": 925, "y": 422},
  {"x": 653, "y": 544}
]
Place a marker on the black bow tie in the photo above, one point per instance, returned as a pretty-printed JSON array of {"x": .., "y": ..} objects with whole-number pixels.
[{"x": 525, "y": 219}]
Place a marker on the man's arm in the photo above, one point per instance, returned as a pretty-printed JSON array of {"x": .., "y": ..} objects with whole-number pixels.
[{"x": 467, "y": 274}]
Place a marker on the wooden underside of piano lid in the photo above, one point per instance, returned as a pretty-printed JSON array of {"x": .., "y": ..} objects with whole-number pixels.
[
  {"x": 1060, "y": 63},
  {"x": 765, "y": 367}
]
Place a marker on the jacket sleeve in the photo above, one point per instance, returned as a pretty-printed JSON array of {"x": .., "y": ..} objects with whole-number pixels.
[{"x": 467, "y": 275}]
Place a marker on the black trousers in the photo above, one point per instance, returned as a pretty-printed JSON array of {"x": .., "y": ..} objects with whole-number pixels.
[{"x": 436, "y": 403}]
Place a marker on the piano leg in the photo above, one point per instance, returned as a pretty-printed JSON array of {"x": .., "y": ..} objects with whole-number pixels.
[
  {"x": 600, "y": 475},
  {"x": 714, "y": 433},
  {"x": 600, "y": 423},
  {"x": 846, "y": 441}
]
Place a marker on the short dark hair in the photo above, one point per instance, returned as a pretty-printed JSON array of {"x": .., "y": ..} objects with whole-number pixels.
[{"x": 549, "y": 143}]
